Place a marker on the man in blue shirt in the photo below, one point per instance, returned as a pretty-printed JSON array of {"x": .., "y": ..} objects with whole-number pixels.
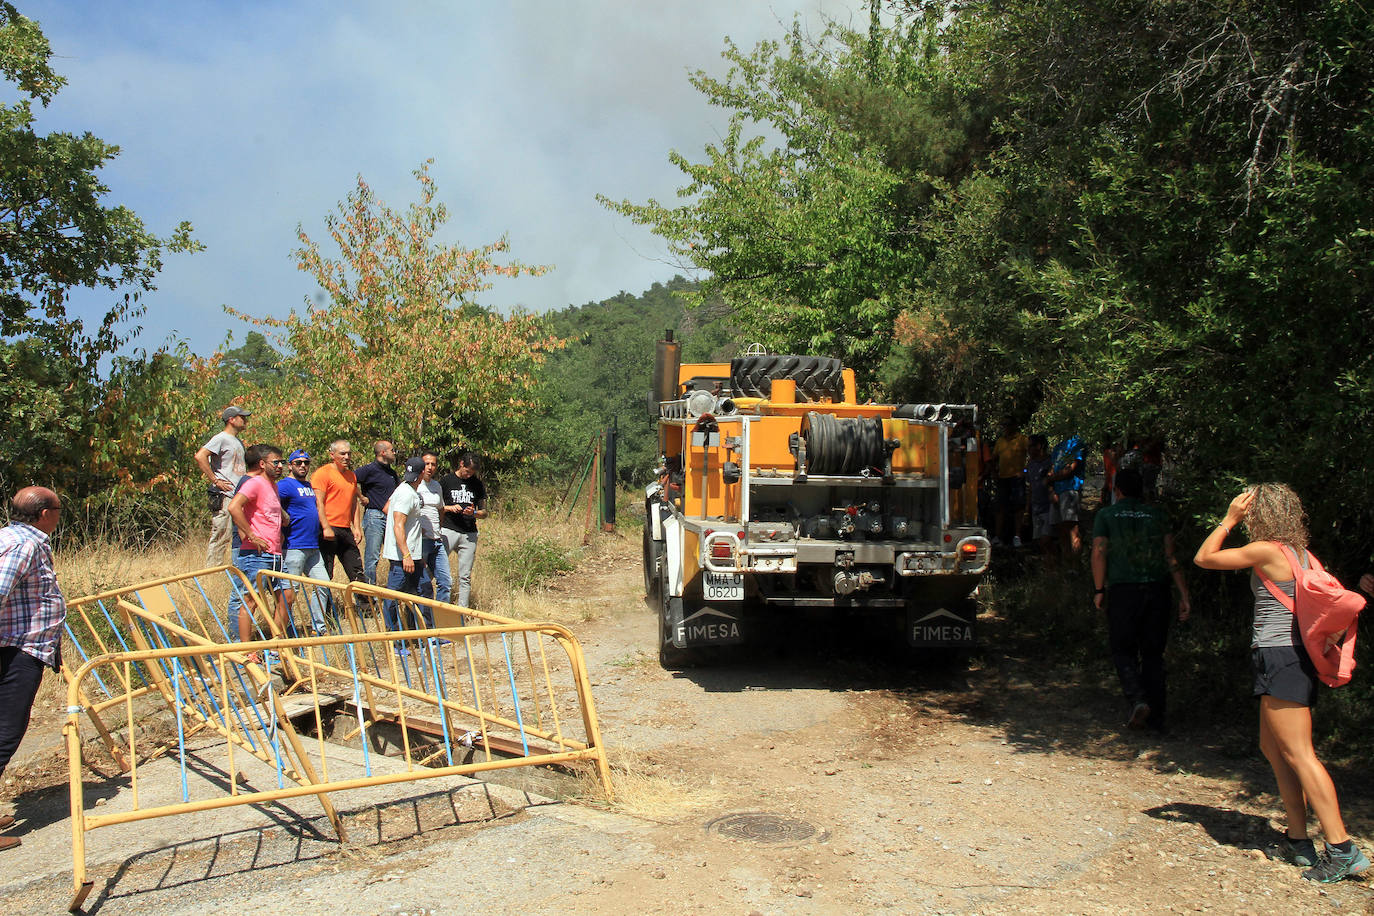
[
  {"x": 302, "y": 542},
  {"x": 1066, "y": 479}
]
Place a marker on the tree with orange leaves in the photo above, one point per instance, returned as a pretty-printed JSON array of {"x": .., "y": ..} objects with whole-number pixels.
[{"x": 399, "y": 349}]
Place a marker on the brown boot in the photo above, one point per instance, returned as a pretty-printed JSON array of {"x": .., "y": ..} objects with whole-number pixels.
[
  {"x": 9, "y": 842},
  {"x": 6, "y": 821}
]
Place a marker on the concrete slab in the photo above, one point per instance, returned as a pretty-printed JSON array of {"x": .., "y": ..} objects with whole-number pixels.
[{"x": 293, "y": 830}]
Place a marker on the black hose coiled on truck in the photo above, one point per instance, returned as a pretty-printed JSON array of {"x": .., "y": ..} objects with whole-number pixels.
[{"x": 847, "y": 445}]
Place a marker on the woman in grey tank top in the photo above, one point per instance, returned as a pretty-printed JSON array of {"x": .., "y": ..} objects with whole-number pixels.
[{"x": 1285, "y": 681}]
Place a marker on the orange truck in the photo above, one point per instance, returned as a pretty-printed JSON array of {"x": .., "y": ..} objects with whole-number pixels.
[{"x": 779, "y": 493}]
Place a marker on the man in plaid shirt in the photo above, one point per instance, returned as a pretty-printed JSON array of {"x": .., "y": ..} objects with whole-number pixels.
[{"x": 31, "y": 615}]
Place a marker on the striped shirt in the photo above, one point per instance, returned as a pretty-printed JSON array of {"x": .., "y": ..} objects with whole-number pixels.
[{"x": 32, "y": 609}]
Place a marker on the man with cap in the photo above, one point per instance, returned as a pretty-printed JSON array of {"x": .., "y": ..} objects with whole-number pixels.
[
  {"x": 405, "y": 544},
  {"x": 32, "y": 612},
  {"x": 221, "y": 461},
  {"x": 303, "y": 557}
]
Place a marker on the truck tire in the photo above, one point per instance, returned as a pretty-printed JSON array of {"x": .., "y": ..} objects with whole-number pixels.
[
  {"x": 670, "y": 656},
  {"x": 817, "y": 377},
  {"x": 653, "y": 559}
]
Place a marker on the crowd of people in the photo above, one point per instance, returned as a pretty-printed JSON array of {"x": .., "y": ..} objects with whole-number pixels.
[
  {"x": 304, "y": 523},
  {"x": 274, "y": 513},
  {"x": 1034, "y": 491}
]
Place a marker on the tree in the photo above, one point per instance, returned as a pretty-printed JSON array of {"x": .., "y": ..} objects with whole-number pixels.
[
  {"x": 805, "y": 214},
  {"x": 56, "y": 234},
  {"x": 401, "y": 350},
  {"x": 1110, "y": 218},
  {"x": 255, "y": 363},
  {"x": 606, "y": 370}
]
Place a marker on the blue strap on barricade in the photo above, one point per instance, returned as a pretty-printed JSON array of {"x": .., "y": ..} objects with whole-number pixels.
[
  {"x": 158, "y": 640},
  {"x": 358, "y": 705},
  {"x": 433, "y": 653},
  {"x": 272, "y": 714},
  {"x": 209, "y": 604},
  {"x": 85, "y": 658},
  {"x": 181, "y": 730},
  {"x": 123, "y": 643},
  {"x": 514, "y": 696}
]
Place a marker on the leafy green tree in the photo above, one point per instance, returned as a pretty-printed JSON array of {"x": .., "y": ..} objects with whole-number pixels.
[
  {"x": 255, "y": 363},
  {"x": 401, "y": 350},
  {"x": 805, "y": 226},
  {"x": 1114, "y": 218},
  {"x": 57, "y": 234}
]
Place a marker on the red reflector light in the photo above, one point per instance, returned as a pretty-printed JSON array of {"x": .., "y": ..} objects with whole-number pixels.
[
  {"x": 948, "y": 538},
  {"x": 720, "y": 550},
  {"x": 852, "y": 510},
  {"x": 969, "y": 549}
]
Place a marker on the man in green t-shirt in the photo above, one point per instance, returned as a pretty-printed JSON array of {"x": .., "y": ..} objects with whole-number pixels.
[{"x": 1133, "y": 558}]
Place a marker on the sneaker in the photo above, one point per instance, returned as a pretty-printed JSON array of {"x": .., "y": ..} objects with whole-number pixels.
[
  {"x": 402, "y": 651},
  {"x": 1016, "y": 540},
  {"x": 1336, "y": 865},
  {"x": 1284, "y": 848},
  {"x": 440, "y": 641},
  {"x": 1139, "y": 716}
]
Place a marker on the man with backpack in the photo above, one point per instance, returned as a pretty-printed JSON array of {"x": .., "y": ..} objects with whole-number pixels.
[{"x": 1132, "y": 561}]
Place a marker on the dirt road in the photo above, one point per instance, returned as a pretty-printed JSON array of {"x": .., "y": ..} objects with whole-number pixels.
[{"x": 811, "y": 776}]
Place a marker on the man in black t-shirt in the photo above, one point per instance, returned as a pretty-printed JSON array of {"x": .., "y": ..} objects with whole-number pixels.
[
  {"x": 377, "y": 479},
  {"x": 465, "y": 501}
]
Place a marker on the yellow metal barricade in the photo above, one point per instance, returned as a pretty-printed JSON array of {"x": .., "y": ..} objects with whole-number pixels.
[
  {"x": 95, "y": 627},
  {"x": 469, "y": 693}
]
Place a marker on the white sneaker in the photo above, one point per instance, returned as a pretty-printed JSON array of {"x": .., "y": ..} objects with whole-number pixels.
[{"x": 1016, "y": 540}]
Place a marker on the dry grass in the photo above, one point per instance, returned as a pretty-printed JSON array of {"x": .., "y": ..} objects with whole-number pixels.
[
  {"x": 101, "y": 567},
  {"x": 641, "y": 792}
]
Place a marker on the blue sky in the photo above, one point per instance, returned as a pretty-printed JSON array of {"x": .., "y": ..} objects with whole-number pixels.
[{"x": 248, "y": 118}]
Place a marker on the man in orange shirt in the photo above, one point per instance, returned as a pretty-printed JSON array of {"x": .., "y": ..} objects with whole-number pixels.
[{"x": 341, "y": 511}]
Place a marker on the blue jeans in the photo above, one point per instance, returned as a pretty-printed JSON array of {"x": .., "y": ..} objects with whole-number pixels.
[
  {"x": 250, "y": 563},
  {"x": 309, "y": 562},
  {"x": 436, "y": 558},
  {"x": 374, "y": 533},
  {"x": 413, "y": 583}
]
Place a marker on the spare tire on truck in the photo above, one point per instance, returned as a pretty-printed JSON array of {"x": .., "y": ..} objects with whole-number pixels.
[{"x": 818, "y": 378}]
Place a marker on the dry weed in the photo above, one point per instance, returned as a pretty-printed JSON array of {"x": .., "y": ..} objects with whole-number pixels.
[{"x": 642, "y": 793}]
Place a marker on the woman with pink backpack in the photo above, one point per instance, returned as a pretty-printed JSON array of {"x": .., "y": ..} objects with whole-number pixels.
[{"x": 1294, "y": 599}]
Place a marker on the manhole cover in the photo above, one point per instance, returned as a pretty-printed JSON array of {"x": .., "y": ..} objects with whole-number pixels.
[{"x": 763, "y": 827}]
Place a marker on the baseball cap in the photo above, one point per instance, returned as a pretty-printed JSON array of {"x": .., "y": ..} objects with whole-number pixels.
[
  {"x": 298, "y": 454},
  {"x": 414, "y": 468},
  {"x": 235, "y": 411}
]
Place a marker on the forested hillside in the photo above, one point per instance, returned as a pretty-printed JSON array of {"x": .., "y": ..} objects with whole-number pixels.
[{"x": 603, "y": 373}]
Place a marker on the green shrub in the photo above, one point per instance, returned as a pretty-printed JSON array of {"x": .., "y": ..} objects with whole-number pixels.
[{"x": 531, "y": 562}]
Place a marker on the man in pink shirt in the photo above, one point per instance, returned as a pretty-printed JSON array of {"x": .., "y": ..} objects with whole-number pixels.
[{"x": 256, "y": 512}]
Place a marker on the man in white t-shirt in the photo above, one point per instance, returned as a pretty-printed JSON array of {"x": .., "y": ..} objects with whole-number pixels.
[
  {"x": 221, "y": 461},
  {"x": 436, "y": 555},
  {"x": 404, "y": 549}
]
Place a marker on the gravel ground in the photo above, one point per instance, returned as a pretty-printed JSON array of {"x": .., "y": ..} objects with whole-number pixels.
[{"x": 806, "y": 777}]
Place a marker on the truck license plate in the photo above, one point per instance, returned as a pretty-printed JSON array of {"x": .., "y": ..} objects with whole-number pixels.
[{"x": 722, "y": 586}]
